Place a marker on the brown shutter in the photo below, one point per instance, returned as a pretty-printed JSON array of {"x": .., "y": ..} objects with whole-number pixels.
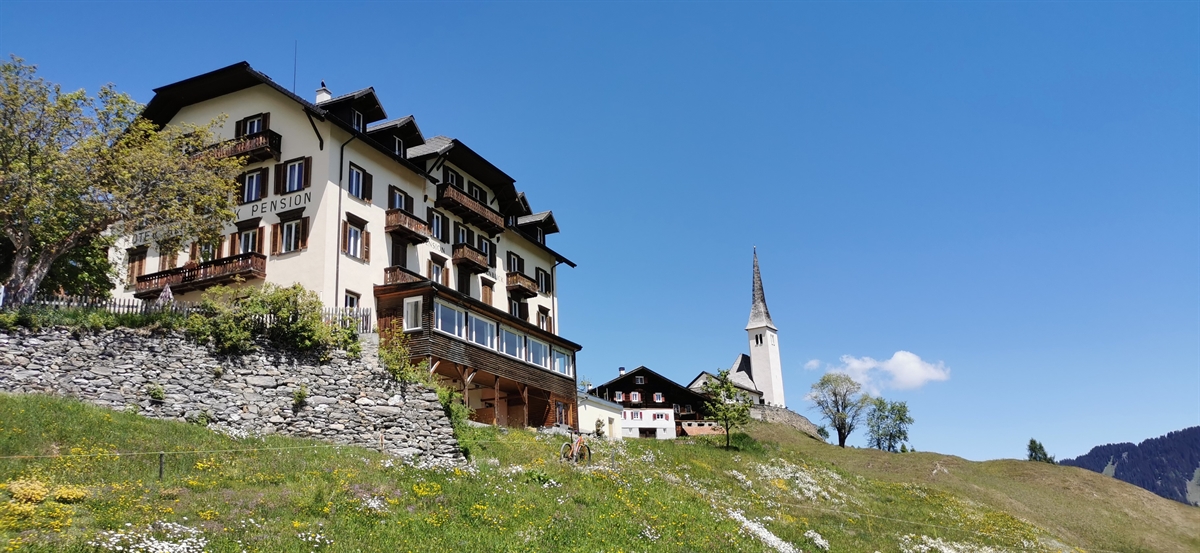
[
  {"x": 263, "y": 180},
  {"x": 368, "y": 182},
  {"x": 345, "y": 237},
  {"x": 266, "y": 121},
  {"x": 276, "y": 239},
  {"x": 492, "y": 255},
  {"x": 471, "y": 238},
  {"x": 307, "y": 172},
  {"x": 456, "y": 227},
  {"x": 445, "y": 276},
  {"x": 233, "y": 244},
  {"x": 279, "y": 174},
  {"x": 258, "y": 248},
  {"x": 429, "y": 269},
  {"x": 239, "y": 128},
  {"x": 194, "y": 251},
  {"x": 366, "y": 246}
]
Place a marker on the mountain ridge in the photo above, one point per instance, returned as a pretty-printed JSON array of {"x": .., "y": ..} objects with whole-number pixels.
[{"x": 1167, "y": 465}]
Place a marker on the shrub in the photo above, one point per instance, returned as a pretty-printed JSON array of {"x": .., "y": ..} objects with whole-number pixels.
[
  {"x": 300, "y": 396},
  {"x": 231, "y": 318},
  {"x": 156, "y": 392},
  {"x": 70, "y": 494},
  {"x": 28, "y": 491}
]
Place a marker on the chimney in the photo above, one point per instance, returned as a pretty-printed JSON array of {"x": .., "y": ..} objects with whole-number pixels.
[
  {"x": 323, "y": 94},
  {"x": 622, "y": 371}
]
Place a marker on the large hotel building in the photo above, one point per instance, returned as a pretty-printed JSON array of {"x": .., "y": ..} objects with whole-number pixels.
[{"x": 367, "y": 212}]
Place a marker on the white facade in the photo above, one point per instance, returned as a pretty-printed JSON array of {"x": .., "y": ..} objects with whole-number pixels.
[
  {"x": 648, "y": 423},
  {"x": 765, "y": 366},
  {"x": 593, "y": 409}
]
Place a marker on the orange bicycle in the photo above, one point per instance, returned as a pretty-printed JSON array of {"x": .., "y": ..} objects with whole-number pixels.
[{"x": 576, "y": 451}]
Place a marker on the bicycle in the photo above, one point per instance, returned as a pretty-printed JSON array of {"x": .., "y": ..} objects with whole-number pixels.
[{"x": 576, "y": 451}]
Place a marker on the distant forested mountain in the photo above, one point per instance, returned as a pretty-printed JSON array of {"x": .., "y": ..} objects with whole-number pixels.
[{"x": 1168, "y": 465}]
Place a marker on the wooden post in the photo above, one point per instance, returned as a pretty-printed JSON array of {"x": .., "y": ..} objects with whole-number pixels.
[
  {"x": 496, "y": 402},
  {"x": 525, "y": 407},
  {"x": 161, "y": 455}
]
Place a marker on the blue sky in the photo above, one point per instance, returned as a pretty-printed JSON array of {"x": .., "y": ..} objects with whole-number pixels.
[{"x": 1009, "y": 191}]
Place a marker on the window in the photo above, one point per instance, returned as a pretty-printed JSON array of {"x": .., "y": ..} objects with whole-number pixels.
[
  {"x": 356, "y": 182},
  {"x": 539, "y": 353},
  {"x": 618, "y": 396},
  {"x": 290, "y": 240},
  {"x": 540, "y": 235},
  {"x": 354, "y": 241},
  {"x": 543, "y": 320},
  {"x": 206, "y": 252},
  {"x": 248, "y": 241},
  {"x": 412, "y": 314},
  {"x": 485, "y": 246},
  {"x": 560, "y": 413},
  {"x": 562, "y": 363},
  {"x": 449, "y": 320},
  {"x": 295, "y": 176},
  {"x": 460, "y": 234},
  {"x": 252, "y": 125},
  {"x": 660, "y": 416},
  {"x": 518, "y": 309},
  {"x": 483, "y": 331},
  {"x": 639, "y": 380},
  {"x": 451, "y": 177},
  {"x": 544, "y": 282},
  {"x": 635, "y": 415},
  {"x": 398, "y": 199},
  {"x": 635, "y": 397},
  {"x": 435, "y": 272},
  {"x": 351, "y": 300},
  {"x": 252, "y": 187},
  {"x": 169, "y": 260},
  {"x": 658, "y": 397},
  {"x": 399, "y": 148},
  {"x": 478, "y": 193},
  {"x": 512, "y": 343},
  {"x": 358, "y": 121},
  {"x": 437, "y": 225},
  {"x": 514, "y": 263}
]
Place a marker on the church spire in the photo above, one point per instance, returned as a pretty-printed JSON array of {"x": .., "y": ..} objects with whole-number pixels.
[{"x": 759, "y": 315}]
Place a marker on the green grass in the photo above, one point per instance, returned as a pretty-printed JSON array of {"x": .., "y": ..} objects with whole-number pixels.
[{"x": 515, "y": 496}]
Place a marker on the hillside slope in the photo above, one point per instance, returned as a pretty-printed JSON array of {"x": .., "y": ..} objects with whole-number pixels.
[
  {"x": 783, "y": 491},
  {"x": 1167, "y": 465}
]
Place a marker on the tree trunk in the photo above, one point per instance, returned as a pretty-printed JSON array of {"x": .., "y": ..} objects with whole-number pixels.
[
  {"x": 727, "y": 436},
  {"x": 842, "y": 435},
  {"x": 23, "y": 283}
]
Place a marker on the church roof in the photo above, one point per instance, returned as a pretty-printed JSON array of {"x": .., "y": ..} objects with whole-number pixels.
[
  {"x": 759, "y": 315},
  {"x": 741, "y": 374}
]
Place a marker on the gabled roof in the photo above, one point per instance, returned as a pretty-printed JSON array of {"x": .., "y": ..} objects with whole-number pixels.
[
  {"x": 364, "y": 101},
  {"x": 544, "y": 220},
  {"x": 697, "y": 383},
  {"x": 404, "y": 128},
  {"x": 759, "y": 315},
  {"x": 645, "y": 369}
]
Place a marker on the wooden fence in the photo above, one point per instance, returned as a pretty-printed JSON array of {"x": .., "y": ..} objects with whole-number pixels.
[{"x": 346, "y": 317}]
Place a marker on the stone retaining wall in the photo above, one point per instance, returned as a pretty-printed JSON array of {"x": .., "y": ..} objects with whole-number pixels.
[
  {"x": 349, "y": 401},
  {"x": 780, "y": 415}
]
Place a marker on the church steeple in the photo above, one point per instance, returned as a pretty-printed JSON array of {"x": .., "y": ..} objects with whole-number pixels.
[{"x": 759, "y": 315}]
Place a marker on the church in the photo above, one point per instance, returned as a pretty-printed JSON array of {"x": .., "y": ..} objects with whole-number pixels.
[{"x": 760, "y": 374}]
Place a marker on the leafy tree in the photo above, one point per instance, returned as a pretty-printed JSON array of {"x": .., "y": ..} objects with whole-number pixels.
[
  {"x": 73, "y": 168},
  {"x": 887, "y": 424},
  {"x": 823, "y": 432},
  {"x": 726, "y": 403},
  {"x": 1038, "y": 453},
  {"x": 837, "y": 396}
]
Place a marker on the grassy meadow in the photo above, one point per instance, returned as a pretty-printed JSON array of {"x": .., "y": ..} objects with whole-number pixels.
[{"x": 88, "y": 480}]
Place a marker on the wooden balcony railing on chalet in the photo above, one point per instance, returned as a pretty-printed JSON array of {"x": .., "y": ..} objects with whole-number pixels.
[
  {"x": 406, "y": 226},
  {"x": 259, "y": 146},
  {"x": 470, "y": 259},
  {"x": 471, "y": 210},
  {"x": 521, "y": 286},
  {"x": 399, "y": 275},
  {"x": 209, "y": 273}
]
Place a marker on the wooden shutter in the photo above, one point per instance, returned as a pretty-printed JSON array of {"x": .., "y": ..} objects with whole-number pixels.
[
  {"x": 258, "y": 248},
  {"x": 279, "y": 174},
  {"x": 445, "y": 276},
  {"x": 366, "y": 246},
  {"x": 194, "y": 251},
  {"x": 523, "y": 311},
  {"x": 471, "y": 238},
  {"x": 345, "y": 237},
  {"x": 233, "y": 244},
  {"x": 266, "y": 121},
  {"x": 304, "y": 233},
  {"x": 486, "y": 292},
  {"x": 429, "y": 269},
  {"x": 368, "y": 182},
  {"x": 262, "y": 182},
  {"x": 456, "y": 227},
  {"x": 307, "y": 172},
  {"x": 521, "y": 264},
  {"x": 239, "y": 128},
  {"x": 276, "y": 239}
]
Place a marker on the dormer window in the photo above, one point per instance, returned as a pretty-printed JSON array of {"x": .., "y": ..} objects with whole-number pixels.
[
  {"x": 452, "y": 177},
  {"x": 358, "y": 122},
  {"x": 540, "y": 235},
  {"x": 399, "y": 147}
]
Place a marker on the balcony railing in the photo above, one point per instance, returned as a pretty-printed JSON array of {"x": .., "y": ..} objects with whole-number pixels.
[
  {"x": 209, "y": 273},
  {"x": 399, "y": 275},
  {"x": 521, "y": 285},
  {"x": 406, "y": 226},
  {"x": 259, "y": 146},
  {"x": 471, "y": 210},
  {"x": 470, "y": 259}
]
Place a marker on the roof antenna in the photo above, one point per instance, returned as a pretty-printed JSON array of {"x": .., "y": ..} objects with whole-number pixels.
[{"x": 295, "y": 56}]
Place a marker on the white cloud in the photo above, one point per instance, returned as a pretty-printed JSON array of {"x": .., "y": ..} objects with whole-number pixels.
[
  {"x": 904, "y": 371},
  {"x": 812, "y": 365}
]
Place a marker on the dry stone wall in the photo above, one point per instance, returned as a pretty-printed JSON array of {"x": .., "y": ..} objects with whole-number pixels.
[
  {"x": 779, "y": 415},
  {"x": 349, "y": 401}
]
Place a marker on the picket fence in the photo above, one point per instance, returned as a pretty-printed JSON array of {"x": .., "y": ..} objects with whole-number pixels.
[{"x": 345, "y": 317}]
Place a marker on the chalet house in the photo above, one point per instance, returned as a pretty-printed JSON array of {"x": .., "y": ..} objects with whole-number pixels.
[
  {"x": 367, "y": 212},
  {"x": 652, "y": 404}
]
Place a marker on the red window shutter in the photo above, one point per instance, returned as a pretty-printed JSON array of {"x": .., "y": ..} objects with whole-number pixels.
[
  {"x": 307, "y": 172},
  {"x": 345, "y": 237},
  {"x": 258, "y": 248},
  {"x": 368, "y": 182},
  {"x": 276, "y": 239},
  {"x": 239, "y": 128},
  {"x": 366, "y": 246},
  {"x": 266, "y": 121},
  {"x": 304, "y": 233},
  {"x": 279, "y": 174}
]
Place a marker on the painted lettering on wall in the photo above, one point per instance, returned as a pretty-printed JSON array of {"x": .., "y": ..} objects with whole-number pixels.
[
  {"x": 143, "y": 237},
  {"x": 258, "y": 209}
]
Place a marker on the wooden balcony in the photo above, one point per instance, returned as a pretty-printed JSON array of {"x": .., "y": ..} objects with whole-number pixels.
[
  {"x": 259, "y": 146},
  {"x": 470, "y": 259},
  {"x": 210, "y": 273},
  {"x": 521, "y": 286},
  {"x": 400, "y": 275},
  {"x": 471, "y": 210},
  {"x": 406, "y": 227}
]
